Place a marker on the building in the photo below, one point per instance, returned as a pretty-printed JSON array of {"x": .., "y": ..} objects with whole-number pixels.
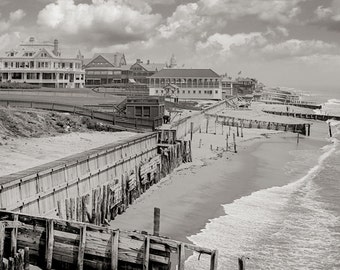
[
  {"x": 145, "y": 107},
  {"x": 244, "y": 86},
  {"x": 186, "y": 84},
  {"x": 42, "y": 63},
  {"x": 227, "y": 86},
  {"x": 141, "y": 71},
  {"x": 107, "y": 68}
]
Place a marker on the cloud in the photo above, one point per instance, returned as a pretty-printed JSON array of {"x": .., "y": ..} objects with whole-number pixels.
[
  {"x": 17, "y": 15},
  {"x": 106, "y": 22},
  {"x": 322, "y": 12},
  {"x": 283, "y": 11},
  {"x": 14, "y": 17}
]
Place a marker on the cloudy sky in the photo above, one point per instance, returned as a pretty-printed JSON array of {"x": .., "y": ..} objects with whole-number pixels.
[{"x": 281, "y": 42}]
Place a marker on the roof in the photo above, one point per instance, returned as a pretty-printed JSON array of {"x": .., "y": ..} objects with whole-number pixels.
[
  {"x": 151, "y": 66},
  {"x": 186, "y": 73},
  {"x": 113, "y": 58}
]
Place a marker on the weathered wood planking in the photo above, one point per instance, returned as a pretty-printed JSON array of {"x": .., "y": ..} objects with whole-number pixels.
[
  {"x": 38, "y": 189},
  {"x": 74, "y": 245}
]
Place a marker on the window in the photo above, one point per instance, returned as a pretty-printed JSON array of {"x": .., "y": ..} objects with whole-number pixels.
[
  {"x": 194, "y": 91},
  {"x": 156, "y": 91},
  {"x": 199, "y": 91},
  {"x": 146, "y": 112},
  {"x": 183, "y": 91},
  {"x": 71, "y": 65},
  {"x": 138, "y": 111},
  {"x": 188, "y": 91},
  {"x": 6, "y": 64},
  {"x": 216, "y": 91}
]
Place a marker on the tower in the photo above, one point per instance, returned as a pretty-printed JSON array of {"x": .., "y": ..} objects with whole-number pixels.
[{"x": 173, "y": 62}]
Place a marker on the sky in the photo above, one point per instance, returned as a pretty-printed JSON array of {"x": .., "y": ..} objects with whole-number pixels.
[{"x": 293, "y": 43}]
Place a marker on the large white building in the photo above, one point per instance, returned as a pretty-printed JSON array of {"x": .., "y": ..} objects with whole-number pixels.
[
  {"x": 186, "y": 84},
  {"x": 41, "y": 63}
]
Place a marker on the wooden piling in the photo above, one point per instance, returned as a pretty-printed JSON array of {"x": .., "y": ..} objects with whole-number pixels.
[
  {"x": 26, "y": 258},
  {"x": 234, "y": 139},
  {"x": 81, "y": 249},
  {"x": 237, "y": 130},
  {"x": 298, "y": 138},
  {"x": 191, "y": 130},
  {"x": 207, "y": 125},
  {"x": 242, "y": 263},
  {"x": 226, "y": 142},
  {"x": 14, "y": 234},
  {"x": 156, "y": 221},
  {"x": 146, "y": 253},
  {"x": 49, "y": 243},
  {"x": 2, "y": 244},
  {"x": 200, "y": 143},
  {"x": 181, "y": 256},
  {"x": 242, "y": 129},
  {"x": 213, "y": 260},
  {"x": 330, "y": 130}
]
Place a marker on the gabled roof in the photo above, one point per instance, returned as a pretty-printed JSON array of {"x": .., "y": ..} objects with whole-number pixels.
[
  {"x": 152, "y": 66},
  {"x": 186, "y": 73},
  {"x": 113, "y": 58}
]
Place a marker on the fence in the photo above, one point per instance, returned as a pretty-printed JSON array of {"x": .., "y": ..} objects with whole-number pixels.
[{"x": 124, "y": 121}]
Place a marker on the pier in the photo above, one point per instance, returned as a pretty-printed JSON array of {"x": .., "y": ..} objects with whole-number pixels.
[{"x": 312, "y": 116}]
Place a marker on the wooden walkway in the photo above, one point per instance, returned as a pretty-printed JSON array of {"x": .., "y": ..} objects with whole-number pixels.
[{"x": 312, "y": 116}]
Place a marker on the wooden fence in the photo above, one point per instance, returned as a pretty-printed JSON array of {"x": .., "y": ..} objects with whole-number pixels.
[
  {"x": 37, "y": 190},
  {"x": 193, "y": 122},
  {"x": 60, "y": 244},
  {"x": 115, "y": 119}
]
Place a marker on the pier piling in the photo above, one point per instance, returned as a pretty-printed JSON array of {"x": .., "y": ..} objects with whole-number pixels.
[
  {"x": 156, "y": 221},
  {"x": 330, "y": 130}
]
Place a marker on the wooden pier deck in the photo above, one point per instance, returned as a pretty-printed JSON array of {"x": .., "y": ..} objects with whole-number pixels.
[{"x": 312, "y": 116}]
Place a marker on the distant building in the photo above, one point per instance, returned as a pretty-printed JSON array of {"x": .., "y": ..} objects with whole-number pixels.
[
  {"x": 141, "y": 71},
  {"x": 227, "y": 87},
  {"x": 42, "y": 63},
  {"x": 186, "y": 84},
  {"x": 244, "y": 86},
  {"x": 106, "y": 68}
]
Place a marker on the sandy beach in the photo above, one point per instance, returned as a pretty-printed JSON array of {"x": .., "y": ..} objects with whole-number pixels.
[{"x": 18, "y": 154}]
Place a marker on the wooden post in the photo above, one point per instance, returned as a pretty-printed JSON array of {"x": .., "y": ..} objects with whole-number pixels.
[
  {"x": 237, "y": 131},
  {"x": 60, "y": 211},
  {"x": 200, "y": 143},
  {"x": 308, "y": 129},
  {"x": 207, "y": 126},
  {"x": 191, "y": 129},
  {"x": 21, "y": 255},
  {"x": 226, "y": 142},
  {"x": 298, "y": 138},
  {"x": 242, "y": 263},
  {"x": 229, "y": 130},
  {"x": 242, "y": 130},
  {"x": 114, "y": 250},
  {"x": 26, "y": 258},
  {"x": 330, "y": 129},
  {"x": 81, "y": 250},
  {"x": 156, "y": 220},
  {"x": 213, "y": 260},
  {"x": 73, "y": 209},
  {"x": 49, "y": 243},
  {"x": 234, "y": 139},
  {"x": 216, "y": 125},
  {"x": 222, "y": 125},
  {"x": 146, "y": 253},
  {"x": 211, "y": 148},
  {"x": 2, "y": 243},
  {"x": 14, "y": 234},
  {"x": 181, "y": 256}
]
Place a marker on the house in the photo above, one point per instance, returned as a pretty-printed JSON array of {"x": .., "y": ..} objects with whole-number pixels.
[
  {"x": 141, "y": 71},
  {"x": 186, "y": 84},
  {"x": 42, "y": 63},
  {"x": 106, "y": 68}
]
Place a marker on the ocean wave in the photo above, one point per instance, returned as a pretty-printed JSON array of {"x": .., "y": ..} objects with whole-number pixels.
[
  {"x": 278, "y": 227},
  {"x": 333, "y": 101}
]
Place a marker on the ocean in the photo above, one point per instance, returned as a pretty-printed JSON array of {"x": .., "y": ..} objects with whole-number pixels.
[{"x": 292, "y": 225}]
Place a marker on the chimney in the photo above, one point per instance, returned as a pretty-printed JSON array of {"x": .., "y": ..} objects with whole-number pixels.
[
  {"x": 115, "y": 60},
  {"x": 139, "y": 61},
  {"x": 148, "y": 62},
  {"x": 56, "y": 47}
]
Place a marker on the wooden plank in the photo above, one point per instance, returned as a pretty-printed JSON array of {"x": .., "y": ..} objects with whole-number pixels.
[
  {"x": 146, "y": 253},
  {"x": 2, "y": 244},
  {"x": 81, "y": 251},
  {"x": 114, "y": 250},
  {"x": 181, "y": 256},
  {"x": 49, "y": 243}
]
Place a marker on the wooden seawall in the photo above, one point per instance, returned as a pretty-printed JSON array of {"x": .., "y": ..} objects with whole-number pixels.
[
  {"x": 303, "y": 129},
  {"x": 312, "y": 116},
  {"x": 37, "y": 190},
  {"x": 60, "y": 244}
]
